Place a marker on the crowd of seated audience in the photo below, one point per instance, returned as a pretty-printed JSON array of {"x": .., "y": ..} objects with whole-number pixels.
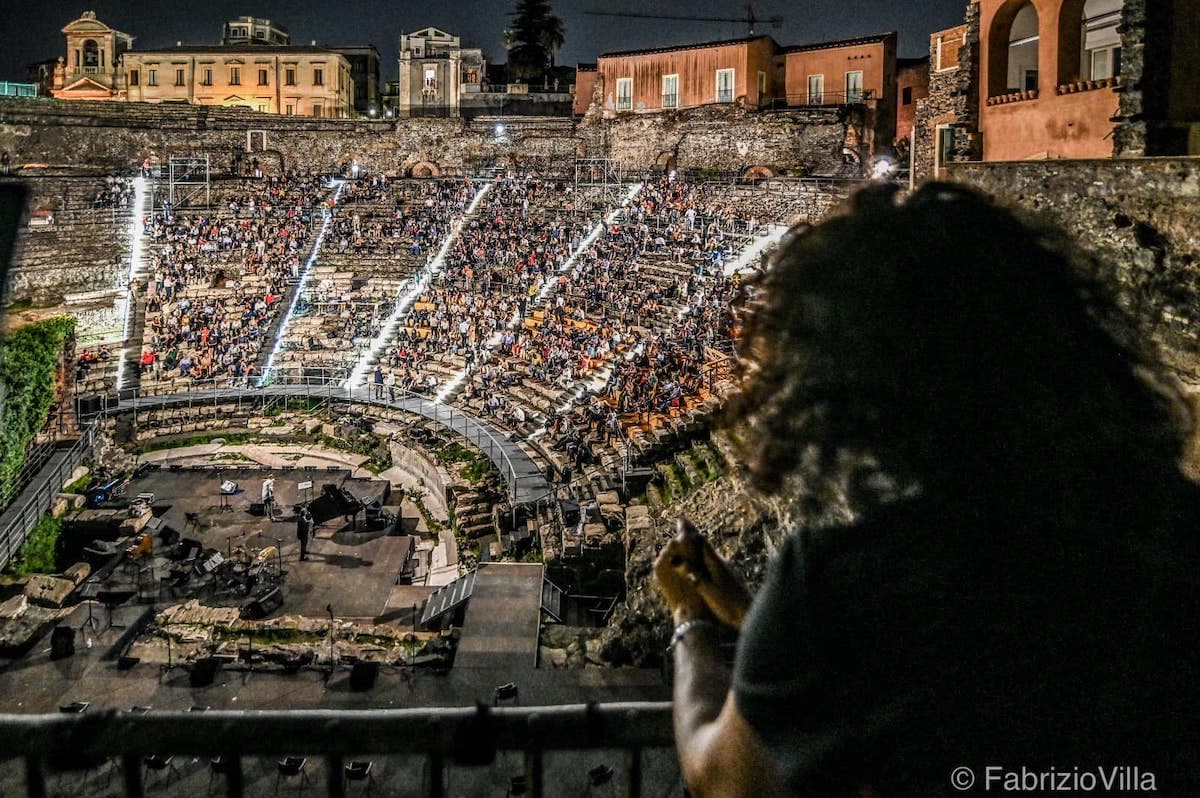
[
  {"x": 383, "y": 233},
  {"x": 552, "y": 334},
  {"x": 218, "y": 279},
  {"x": 117, "y": 192},
  {"x": 544, "y": 323}
]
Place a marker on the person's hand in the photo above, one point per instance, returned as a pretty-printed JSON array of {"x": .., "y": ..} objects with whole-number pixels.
[
  {"x": 676, "y": 584},
  {"x": 697, "y": 582}
]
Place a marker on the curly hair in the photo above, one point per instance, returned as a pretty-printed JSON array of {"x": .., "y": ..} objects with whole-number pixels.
[{"x": 962, "y": 347}]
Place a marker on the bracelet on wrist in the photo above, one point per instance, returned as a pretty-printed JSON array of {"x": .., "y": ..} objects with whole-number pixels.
[{"x": 684, "y": 628}]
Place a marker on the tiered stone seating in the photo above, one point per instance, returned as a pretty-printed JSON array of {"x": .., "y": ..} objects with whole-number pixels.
[
  {"x": 219, "y": 279},
  {"x": 379, "y": 242}
]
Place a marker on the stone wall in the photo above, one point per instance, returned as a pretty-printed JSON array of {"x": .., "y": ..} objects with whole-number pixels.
[
  {"x": 117, "y": 136},
  {"x": 802, "y": 141},
  {"x": 1138, "y": 215},
  {"x": 953, "y": 100}
]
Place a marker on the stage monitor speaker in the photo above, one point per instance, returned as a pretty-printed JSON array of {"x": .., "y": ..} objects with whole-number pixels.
[
  {"x": 62, "y": 642},
  {"x": 204, "y": 671},
  {"x": 264, "y": 605},
  {"x": 363, "y": 676}
]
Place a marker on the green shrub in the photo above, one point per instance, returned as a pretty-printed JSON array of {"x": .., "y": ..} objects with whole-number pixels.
[
  {"x": 28, "y": 365},
  {"x": 37, "y": 554},
  {"x": 475, "y": 471}
]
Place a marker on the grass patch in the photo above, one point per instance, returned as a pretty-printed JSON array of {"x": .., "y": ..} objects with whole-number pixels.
[
  {"x": 37, "y": 554},
  {"x": 369, "y": 446},
  {"x": 267, "y": 635},
  {"x": 475, "y": 471},
  {"x": 434, "y": 525},
  {"x": 198, "y": 440},
  {"x": 80, "y": 485},
  {"x": 20, "y": 304},
  {"x": 454, "y": 453}
]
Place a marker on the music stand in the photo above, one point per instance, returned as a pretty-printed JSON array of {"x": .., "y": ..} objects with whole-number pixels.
[
  {"x": 88, "y": 592},
  {"x": 228, "y": 488},
  {"x": 110, "y": 599}
]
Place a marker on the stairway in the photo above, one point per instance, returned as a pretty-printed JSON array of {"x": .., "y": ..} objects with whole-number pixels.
[
  {"x": 553, "y": 600},
  {"x": 446, "y": 599},
  {"x": 276, "y": 329},
  {"x": 135, "y": 331},
  {"x": 374, "y": 354}
]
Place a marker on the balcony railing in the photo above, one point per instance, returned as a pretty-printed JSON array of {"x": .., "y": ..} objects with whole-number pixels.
[
  {"x": 822, "y": 98},
  {"x": 90, "y": 740}
]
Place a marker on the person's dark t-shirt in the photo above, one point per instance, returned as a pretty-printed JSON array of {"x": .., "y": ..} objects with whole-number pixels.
[{"x": 892, "y": 652}]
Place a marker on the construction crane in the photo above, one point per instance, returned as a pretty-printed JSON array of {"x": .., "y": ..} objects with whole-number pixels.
[{"x": 750, "y": 20}]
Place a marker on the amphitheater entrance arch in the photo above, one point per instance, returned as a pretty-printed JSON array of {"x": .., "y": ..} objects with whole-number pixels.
[
  {"x": 424, "y": 169},
  {"x": 758, "y": 172},
  {"x": 667, "y": 162}
]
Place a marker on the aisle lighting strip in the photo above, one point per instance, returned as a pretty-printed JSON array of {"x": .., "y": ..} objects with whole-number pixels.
[
  {"x": 449, "y": 388},
  {"x": 137, "y": 232},
  {"x": 390, "y": 325},
  {"x": 305, "y": 275}
]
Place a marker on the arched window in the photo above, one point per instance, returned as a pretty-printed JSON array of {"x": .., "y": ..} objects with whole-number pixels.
[
  {"x": 1012, "y": 48},
  {"x": 1023, "y": 42},
  {"x": 91, "y": 53}
]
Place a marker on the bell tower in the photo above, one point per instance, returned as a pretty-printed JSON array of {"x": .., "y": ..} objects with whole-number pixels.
[{"x": 91, "y": 69}]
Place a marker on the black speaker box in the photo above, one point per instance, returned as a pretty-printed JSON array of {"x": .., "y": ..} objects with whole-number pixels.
[
  {"x": 62, "y": 642},
  {"x": 204, "y": 671},
  {"x": 264, "y": 605},
  {"x": 363, "y": 676}
]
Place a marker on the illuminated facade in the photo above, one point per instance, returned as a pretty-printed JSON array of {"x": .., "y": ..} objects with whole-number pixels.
[
  {"x": 436, "y": 71},
  {"x": 91, "y": 69},
  {"x": 100, "y": 64},
  {"x": 296, "y": 80}
]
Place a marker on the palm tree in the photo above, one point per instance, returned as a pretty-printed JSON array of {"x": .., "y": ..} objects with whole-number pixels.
[
  {"x": 552, "y": 37},
  {"x": 509, "y": 41}
]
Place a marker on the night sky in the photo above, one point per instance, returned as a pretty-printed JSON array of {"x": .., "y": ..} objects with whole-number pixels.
[{"x": 29, "y": 33}]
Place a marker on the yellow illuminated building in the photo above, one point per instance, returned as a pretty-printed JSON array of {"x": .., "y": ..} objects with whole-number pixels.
[{"x": 298, "y": 80}]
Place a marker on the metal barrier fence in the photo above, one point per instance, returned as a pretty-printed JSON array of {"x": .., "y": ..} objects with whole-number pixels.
[
  {"x": 89, "y": 740},
  {"x": 524, "y": 481},
  {"x": 21, "y": 517},
  {"x": 8, "y": 89}
]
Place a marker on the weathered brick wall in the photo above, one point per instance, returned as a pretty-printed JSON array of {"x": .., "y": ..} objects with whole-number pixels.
[
  {"x": 1139, "y": 215},
  {"x": 117, "y": 136}
]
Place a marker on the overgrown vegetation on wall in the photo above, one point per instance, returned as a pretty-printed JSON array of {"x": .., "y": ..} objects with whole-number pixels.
[
  {"x": 37, "y": 554},
  {"x": 28, "y": 366}
]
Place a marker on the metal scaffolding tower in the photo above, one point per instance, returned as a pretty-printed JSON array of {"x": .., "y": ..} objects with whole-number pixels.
[
  {"x": 599, "y": 173},
  {"x": 189, "y": 179}
]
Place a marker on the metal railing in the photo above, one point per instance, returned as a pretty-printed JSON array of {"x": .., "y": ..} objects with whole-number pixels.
[
  {"x": 8, "y": 89},
  {"x": 37, "y": 499},
  {"x": 50, "y": 744},
  {"x": 823, "y": 98},
  {"x": 524, "y": 482}
]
